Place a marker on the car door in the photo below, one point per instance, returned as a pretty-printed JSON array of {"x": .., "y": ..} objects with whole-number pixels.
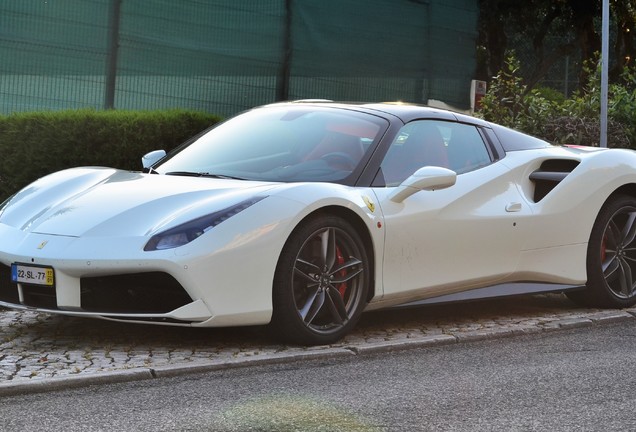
[{"x": 463, "y": 236}]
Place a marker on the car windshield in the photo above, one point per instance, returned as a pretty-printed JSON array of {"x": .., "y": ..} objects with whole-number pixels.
[{"x": 281, "y": 144}]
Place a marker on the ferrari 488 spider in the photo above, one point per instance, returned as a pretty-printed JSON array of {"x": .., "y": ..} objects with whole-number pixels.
[{"x": 305, "y": 214}]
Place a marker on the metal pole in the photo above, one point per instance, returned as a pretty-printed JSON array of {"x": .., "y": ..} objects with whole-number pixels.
[
  {"x": 111, "y": 54},
  {"x": 566, "y": 83},
  {"x": 604, "y": 72},
  {"x": 282, "y": 81}
]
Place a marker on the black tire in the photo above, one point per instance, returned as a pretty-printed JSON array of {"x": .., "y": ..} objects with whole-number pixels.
[
  {"x": 611, "y": 257},
  {"x": 321, "y": 282}
]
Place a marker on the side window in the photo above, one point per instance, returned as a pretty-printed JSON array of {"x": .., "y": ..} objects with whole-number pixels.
[
  {"x": 466, "y": 149},
  {"x": 432, "y": 143}
]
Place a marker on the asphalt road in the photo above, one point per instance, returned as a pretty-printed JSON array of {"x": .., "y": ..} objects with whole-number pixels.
[{"x": 573, "y": 380}]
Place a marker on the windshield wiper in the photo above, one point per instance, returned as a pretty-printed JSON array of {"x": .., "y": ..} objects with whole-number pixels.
[
  {"x": 202, "y": 174},
  {"x": 221, "y": 176},
  {"x": 185, "y": 173}
]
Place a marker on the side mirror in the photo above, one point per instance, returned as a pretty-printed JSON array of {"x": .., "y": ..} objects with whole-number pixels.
[
  {"x": 427, "y": 178},
  {"x": 149, "y": 159}
]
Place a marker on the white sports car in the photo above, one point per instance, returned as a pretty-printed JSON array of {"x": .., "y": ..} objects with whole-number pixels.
[{"x": 305, "y": 214}]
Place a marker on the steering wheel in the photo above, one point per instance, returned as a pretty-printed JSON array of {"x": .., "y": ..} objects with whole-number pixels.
[{"x": 340, "y": 160}]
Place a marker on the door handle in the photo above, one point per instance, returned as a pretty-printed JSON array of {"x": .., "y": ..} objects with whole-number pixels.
[{"x": 513, "y": 207}]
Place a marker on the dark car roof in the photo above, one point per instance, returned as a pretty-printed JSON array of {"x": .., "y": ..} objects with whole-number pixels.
[
  {"x": 511, "y": 140},
  {"x": 404, "y": 111}
]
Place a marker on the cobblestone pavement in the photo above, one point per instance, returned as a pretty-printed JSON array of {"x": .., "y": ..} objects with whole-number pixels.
[{"x": 41, "y": 347}]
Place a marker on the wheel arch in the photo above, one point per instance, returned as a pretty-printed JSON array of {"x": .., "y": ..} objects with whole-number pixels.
[
  {"x": 602, "y": 290},
  {"x": 361, "y": 228},
  {"x": 626, "y": 189}
]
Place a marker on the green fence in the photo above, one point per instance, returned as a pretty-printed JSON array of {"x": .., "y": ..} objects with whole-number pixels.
[{"x": 223, "y": 56}]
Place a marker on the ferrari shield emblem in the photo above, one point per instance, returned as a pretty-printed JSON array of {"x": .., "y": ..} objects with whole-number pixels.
[{"x": 369, "y": 203}]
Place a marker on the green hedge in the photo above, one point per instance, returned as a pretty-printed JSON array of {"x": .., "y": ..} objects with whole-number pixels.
[
  {"x": 553, "y": 117},
  {"x": 35, "y": 144}
]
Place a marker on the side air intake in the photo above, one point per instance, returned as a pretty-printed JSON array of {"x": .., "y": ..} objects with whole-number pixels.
[{"x": 549, "y": 175}]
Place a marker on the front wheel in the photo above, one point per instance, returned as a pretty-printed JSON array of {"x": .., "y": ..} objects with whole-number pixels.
[
  {"x": 611, "y": 257},
  {"x": 321, "y": 282}
]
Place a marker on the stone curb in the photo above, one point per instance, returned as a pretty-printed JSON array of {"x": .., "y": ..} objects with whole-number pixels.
[
  {"x": 214, "y": 365},
  {"x": 403, "y": 344},
  {"x": 143, "y": 373},
  {"x": 569, "y": 323},
  {"x": 74, "y": 381}
]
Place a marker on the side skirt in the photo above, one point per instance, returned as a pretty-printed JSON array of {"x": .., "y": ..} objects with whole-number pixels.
[{"x": 502, "y": 290}]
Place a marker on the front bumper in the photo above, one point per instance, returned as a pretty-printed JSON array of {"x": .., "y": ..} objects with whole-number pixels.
[
  {"x": 145, "y": 296},
  {"x": 114, "y": 278}
]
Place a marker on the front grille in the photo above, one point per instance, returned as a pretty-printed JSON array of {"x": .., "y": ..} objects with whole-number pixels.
[
  {"x": 8, "y": 289},
  {"x": 152, "y": 292},
  {"x": 39, "y": 296}
]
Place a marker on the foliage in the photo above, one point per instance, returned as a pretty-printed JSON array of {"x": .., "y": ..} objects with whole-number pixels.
[
  {"x": 503, "y": 102},
  {"x": 508, "y": 103},
  {"x": 550, "y": 94},
  {"x": 558, "y": 119},
  {"x": 35, "y": 144},
  {"x": 545, "y": 32},
  {"x": 622, "y": 103}
]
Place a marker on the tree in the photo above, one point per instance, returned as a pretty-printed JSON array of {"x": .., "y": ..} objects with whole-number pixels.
[
  {"x": 572, "y": 120},
  {"x": 553, "y": 29}
]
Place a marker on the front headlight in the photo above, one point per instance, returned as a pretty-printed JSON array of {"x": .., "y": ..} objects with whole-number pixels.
[{"x": 185, "y": 233}]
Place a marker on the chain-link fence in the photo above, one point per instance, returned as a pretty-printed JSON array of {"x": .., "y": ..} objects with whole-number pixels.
[{"x": 223, "y": 56}]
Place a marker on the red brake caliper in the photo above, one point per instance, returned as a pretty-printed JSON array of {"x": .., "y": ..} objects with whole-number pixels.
[{"x": 342, "y": 273}]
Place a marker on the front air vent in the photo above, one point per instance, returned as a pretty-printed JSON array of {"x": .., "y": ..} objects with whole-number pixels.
[
  {"x": 8, "y": 289},
  {"x": 549, "y": 175},
  {"x": 153, "y": 292},
  {"x": 37, "y": 296}
]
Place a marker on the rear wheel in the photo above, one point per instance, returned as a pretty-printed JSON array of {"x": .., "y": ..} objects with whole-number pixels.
[
  {"x": 321, "y": 282},
  {"x": 611, "y": 257}
]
